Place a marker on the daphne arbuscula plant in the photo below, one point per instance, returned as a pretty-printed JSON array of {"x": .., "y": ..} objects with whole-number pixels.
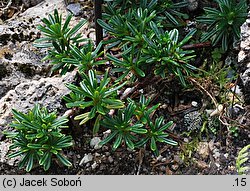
[
  {"x": 224, "y": 23},
  {"x": 38, "y": 138}
]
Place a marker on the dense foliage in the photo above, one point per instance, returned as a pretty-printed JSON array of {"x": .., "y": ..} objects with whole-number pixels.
[
  {"x": 38, "y": 138},
  {"x": 145, "y": 40}
]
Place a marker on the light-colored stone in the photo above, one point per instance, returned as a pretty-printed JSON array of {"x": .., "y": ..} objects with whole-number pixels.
[
  {"x": 194, "y": 104},
  {"x": 94, "y": 165},
  {"x": 75, "y": 9},
  {"x": 110, "y": 159},
  {"x": 245, "y": 77},
  {"x": 87, "y": 158},
  {"x": 226, "y": 155},
  {"x": 4, "y": 151},
  {"x": 216, "y": 153},
  {"x": 46, "y": 91},
  {"x": 94, "y": 143},
  {"x": 211, "y": 145},
  {"x": 203, "y": 149},
  {"x": 244, "y": 67},
  {"x": 47, "y": 7},
  {"x": 186, "y": 140},
  {"x": 201, "y": 164},
  {"x": 159, "y": 158}
]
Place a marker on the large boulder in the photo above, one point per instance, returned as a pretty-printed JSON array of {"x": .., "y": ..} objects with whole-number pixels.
[
  {"x": 244, "y": 68},
  {"x": 244, "y": 60}
]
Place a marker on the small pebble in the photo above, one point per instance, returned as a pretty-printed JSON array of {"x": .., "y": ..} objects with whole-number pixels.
[
  {"x": 186, "y": 140},
  {"x": 159, "y": 158},
  {"x": 94, "y": 165},
  {"x": 141, "y": 91},
  {"x": 163, "y": 159},
  {"x": 194, "y": 104},
  {"x": 226, "y": 155},
  {"x": 107, "y": 154},
  {"x": 97, "y": 155},
  {"x": 175, "y": 167},
  {"x": 75, "y": 9},
  {"x": 94, "y": 143},
  {"x": 217, "y": 164},
  {"x": 216, "y": 155},
  {"x": 87, "y": 158},
  {"x": 105, "y": 148},
  {"x": 110, "y": 159},
  {"x": 163, "y": 168}
]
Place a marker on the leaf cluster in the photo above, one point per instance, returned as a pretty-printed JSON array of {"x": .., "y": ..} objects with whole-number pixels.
[
  {"x": 167, "y": 11},
  {"x": 38, "y": 138},
  {"x": 67, "y": 48},
  {"x": 95, "y": 95},
  {"x": 134, "y": 126},
  {"x": 164, "y": 51},
  {"x": 145, "y": 46},
  {"x": 224, "y": 23}
]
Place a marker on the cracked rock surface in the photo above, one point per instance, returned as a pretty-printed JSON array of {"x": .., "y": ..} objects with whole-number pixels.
[{"x": 244, "y": 67}]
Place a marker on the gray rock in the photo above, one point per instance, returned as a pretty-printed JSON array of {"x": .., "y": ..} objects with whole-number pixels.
[
  {"x": 21, "y": 65},
  {"x": 244, "y": 69},
  {"x": 24, "y": 78},
  {"x": 94, "y": 143},
  {"x": 44, "y": 8},
  {"x": 159, "y": 158},
  {"x": 87, "y": 158},
  {"x": 75, "y": 9},
  {"x": 216, "y": 153},
  {"x": 94, "y": 165},
  {"x": 243, "y": 58},
  {"x": 46, "y": 91},
  {"x": 4, "y": 150},
  {"x": 110, "y": 159},
  {"x": 194, "y": 104},
  {"x": 203, "y": 149}
]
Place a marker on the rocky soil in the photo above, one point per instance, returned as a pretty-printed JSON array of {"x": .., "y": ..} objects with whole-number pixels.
[{"x": 26, "y": 80}]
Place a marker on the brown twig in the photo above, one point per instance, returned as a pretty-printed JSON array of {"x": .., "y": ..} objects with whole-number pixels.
[{"x": 195, "y": 46}]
